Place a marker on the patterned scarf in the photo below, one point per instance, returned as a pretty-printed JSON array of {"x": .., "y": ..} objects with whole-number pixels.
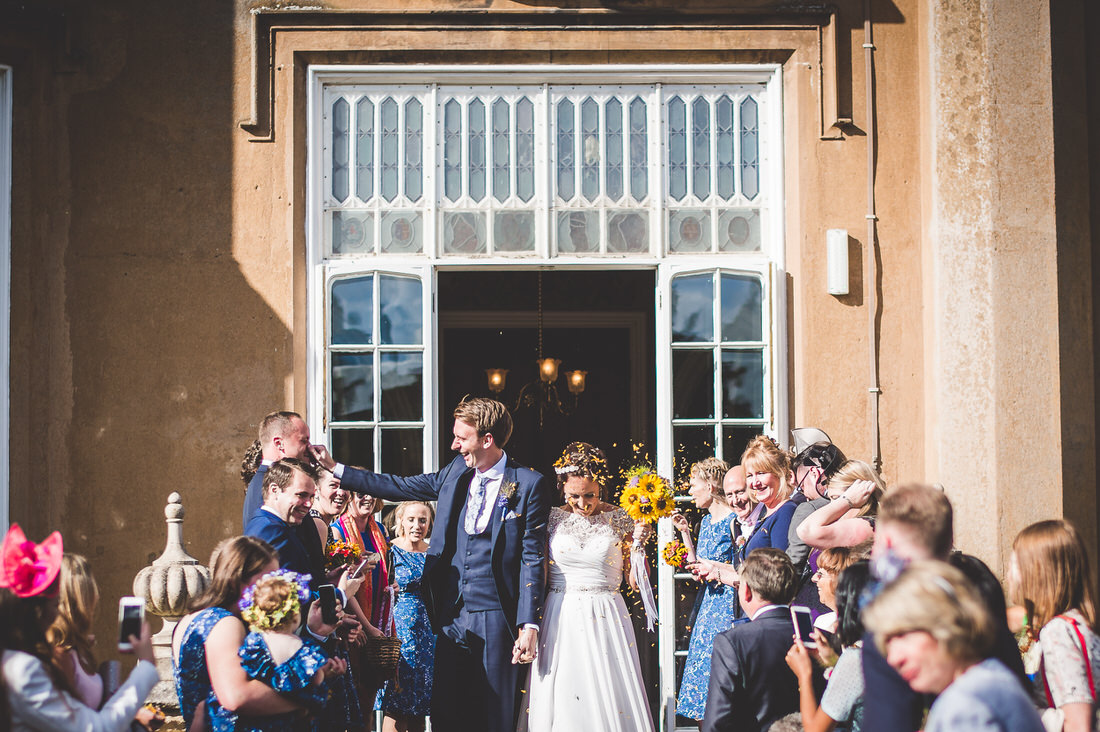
[{"x": 370, "y": 594}]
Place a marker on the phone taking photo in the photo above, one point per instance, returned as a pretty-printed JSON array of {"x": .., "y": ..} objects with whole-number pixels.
[
  {"x": 803, "y": 625},
  {"x": 327, "y": 595},
  {"x": 361, "y": 568},
  {"x": 131, "y": 614}
]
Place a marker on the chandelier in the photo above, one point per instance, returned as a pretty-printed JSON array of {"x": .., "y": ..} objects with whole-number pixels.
[{"x": 541, "y": 393}]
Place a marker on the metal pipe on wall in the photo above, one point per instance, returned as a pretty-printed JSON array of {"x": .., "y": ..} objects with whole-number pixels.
[{"x": 872, "y": 219}]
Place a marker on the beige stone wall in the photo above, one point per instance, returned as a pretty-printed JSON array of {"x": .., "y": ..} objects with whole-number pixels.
[{"x": 158, "y": 257}]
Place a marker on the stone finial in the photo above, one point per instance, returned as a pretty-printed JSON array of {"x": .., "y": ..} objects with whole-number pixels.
[{"x": 169, "y": 585}]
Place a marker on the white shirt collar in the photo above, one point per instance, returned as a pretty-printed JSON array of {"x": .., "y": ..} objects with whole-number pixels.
[
  {"x": 494, "y": 473},
  {"x": 268, "y": 463},
  {"x": 766, "y": 608}
]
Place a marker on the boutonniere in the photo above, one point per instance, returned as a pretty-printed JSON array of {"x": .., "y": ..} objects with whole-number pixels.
[
  {"x": 741, "y": 541},
  {"x": 506, "y": 493}
]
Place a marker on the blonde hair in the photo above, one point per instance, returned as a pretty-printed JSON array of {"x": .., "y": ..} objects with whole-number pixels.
[
  {"x": 852, "y": 471},
  {"x": 763, "y": 454},
  {"x": 1054, "y": 573},
  {"x": 924, "y": 513},
  {"x": 933, "y": 597},
  {"x": 399, "y": 515},
  {"x": 275, "y": 605},
  {"x": 712, "y": 471},
  {"x": 487, "y": 416},
  {"x": 76, "y": 606}
]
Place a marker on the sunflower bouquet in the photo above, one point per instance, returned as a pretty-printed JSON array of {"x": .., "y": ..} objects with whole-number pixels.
[
  {"x": 675, "y": 554},
  {"x": 647, "y": 496},
  {"x": 340, "y": 554}
]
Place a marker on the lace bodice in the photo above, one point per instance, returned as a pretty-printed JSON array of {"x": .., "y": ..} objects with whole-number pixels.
[{"x": 586, "y": 551}]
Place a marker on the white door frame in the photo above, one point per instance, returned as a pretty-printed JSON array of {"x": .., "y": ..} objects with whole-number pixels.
[{"x": 6, "y": 117}]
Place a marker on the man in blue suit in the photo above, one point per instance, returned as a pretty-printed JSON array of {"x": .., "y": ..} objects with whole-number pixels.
[
  {"x": 288, "y": 489},
  {"x": 485, "y": 574},
  {"x": 282, "y": 435}
]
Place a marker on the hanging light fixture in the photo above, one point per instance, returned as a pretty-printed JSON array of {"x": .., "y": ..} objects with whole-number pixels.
[{"x": 541, "y": 393}]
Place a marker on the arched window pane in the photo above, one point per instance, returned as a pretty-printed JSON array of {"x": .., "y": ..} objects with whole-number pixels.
[
  {"x": 340, "y": 113},
  {"x": 639, "y": 151},
  {"x": 352, "y": 320},
  {"x": 364, "y": 149},
  {"x": 693, "y": 308},
  {"x": 476, "y": 124},
  {"x": 414, "y": 149},
  {"x": 525, "y": 149},
  {"x": 502, "y": 153},
  {"x": 750, "y": 166},
  {"x": 677, "y": 148},
  {"x": 700, "y": 144},
  {"x": 590, "y": 163},
  {"x": 725, "y": 165},
  {"x": 391, "y": 161},
  {"x": 452, "y": 150},
  {"x": 565, "y": 150},
  {"x": 613, "y": 135}
]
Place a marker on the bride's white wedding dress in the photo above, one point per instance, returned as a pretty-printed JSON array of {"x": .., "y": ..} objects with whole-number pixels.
[{"x": 586, "y": 675}]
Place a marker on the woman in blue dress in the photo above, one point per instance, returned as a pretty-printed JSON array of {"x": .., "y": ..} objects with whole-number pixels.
[
  {"x": 205, "y": 643},
  {"x": 717, "y": 602},
  {"x": 768, "y": 475},
  {"x": 406, "y": 700}
]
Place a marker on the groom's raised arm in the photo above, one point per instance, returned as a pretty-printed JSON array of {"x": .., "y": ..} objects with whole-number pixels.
[
  {"x": 532, "y": 572},
  {"x": 423, "y": 487}
]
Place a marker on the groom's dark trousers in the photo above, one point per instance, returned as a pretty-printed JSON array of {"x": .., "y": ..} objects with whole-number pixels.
[{"x": 479, "y": 589}]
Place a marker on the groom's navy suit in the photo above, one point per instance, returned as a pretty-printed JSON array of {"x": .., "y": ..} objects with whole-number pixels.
[{"x": 480, "y": 589}]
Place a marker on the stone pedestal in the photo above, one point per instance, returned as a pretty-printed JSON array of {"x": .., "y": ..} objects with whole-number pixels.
[{"x": 169, "y": 585}]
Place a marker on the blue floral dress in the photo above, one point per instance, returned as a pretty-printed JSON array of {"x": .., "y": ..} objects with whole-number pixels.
[
  {"x": 412, "y": 693},
  {"x": 192, "y": 678},
  {"x": 290, "y": 678},
  {"x": 716, "y": 613}
]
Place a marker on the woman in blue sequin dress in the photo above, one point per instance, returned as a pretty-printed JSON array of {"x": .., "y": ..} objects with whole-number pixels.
[
  {"x": 406, "y": 700},
  {"x": 717, "y": 602}
]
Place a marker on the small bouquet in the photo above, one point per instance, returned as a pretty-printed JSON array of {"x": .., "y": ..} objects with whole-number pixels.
[
  {"x": 339, "y": 554},
  {"x": 675, "y": 554},
  {"x": 647, "y": 496}
]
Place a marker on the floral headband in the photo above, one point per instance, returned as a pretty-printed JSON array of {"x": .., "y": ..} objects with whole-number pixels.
[
  {"x": 260, "y": 619},
  {"x": 592, "y": 463}
]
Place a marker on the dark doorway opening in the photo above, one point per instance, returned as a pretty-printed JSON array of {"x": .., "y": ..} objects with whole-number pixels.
[{"x": 601, "y": 322}]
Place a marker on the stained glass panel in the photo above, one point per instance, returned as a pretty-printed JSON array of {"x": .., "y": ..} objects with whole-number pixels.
[
  {"x": 364, "y": 149},
  {"x": 340, "y": 113}
]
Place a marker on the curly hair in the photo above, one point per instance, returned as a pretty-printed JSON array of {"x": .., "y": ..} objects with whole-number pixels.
[
  {"x": 584, "y": 460},
  {"x": 250, "y": 463},
  {"x": 275, "y": 605}
]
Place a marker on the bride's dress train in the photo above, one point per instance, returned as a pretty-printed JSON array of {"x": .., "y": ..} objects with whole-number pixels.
[{"x": 587, "y": 675}]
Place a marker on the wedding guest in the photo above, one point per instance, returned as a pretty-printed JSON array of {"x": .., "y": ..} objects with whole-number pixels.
[
  {"x": 830, "y": 564},
  {"x": 768, "y": 473},
  {"x": 1050, "y": 575},
  {"x": 747, "y": 513},
  {"x": 406, "y": 699},
  {"x": 842, "y": 702},
  {"x": 70, "y": 635},
  {"x": 205, "y": 643},
  {"x": 813, "y": 468},
  {"x": 714, "y": 604},
  {"x": 35, "y": 694},
  {"x": 848, "y": 519},
  {"x": 329, "y": 503},
  {"x": 750, "y": 684},
  {"x": 288, "y": 490},
  {"x": 937, "y": 632},
  {"x": 281, "y": 435}
]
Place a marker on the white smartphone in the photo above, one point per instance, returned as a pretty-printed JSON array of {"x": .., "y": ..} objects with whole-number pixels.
[
  {"x": 803, "y": 625},
  {"x": 362, "y": 566},
  {"x": 131, "y": 614}
]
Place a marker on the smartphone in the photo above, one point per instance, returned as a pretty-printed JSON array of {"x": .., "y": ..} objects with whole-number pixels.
[
  {"x": 362, "y": 566},
  {"x": 803, "y": 625},
  {"x": 328, "y": 603},
  {"x": 131, "y": 614}
]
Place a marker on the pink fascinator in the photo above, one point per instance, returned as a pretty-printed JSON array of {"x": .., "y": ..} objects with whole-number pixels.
[{"x": 26, "y": 568}]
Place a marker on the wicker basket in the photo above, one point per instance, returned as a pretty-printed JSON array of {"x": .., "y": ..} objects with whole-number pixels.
[{"x": 381, "y": 654}]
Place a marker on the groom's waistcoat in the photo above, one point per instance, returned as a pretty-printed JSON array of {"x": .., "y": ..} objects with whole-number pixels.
[{"x": 473, "y": 558}]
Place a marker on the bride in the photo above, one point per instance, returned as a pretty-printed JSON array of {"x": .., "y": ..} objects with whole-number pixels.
[{"x": 587, "y": 674}]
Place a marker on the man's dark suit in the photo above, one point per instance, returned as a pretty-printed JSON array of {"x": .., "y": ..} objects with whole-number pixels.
[
  {"x": 287, "y": 540},
  {"x": 750, "y": 683},
  {"x": 254, "y": 496},
  {"x": 473, "y": 671}
]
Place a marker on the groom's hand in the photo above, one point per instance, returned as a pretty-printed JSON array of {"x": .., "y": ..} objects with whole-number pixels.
[
  {"x": 524, "y": 649},
  {"x": 321, "y": 455}
]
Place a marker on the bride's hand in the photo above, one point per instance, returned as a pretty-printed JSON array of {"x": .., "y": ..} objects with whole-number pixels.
[{"x": 641, "y": 532}]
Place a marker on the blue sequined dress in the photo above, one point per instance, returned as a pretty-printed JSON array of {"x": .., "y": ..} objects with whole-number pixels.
[
  {"x": 412, "y": 694},
  {"x": 291, "y": 678},
  {"x": 192, "y": 678},
  {"x": 716, "y": 613}
]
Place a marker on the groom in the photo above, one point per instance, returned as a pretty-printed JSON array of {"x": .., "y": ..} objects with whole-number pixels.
[{"x": 485, "y": 575}]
